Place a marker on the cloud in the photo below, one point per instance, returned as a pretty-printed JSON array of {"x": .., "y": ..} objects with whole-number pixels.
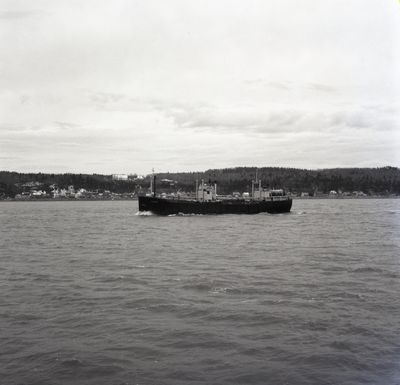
[
  {"x": 105, "y": 98},
  {"x": 16, "y": 15},
  {"x": 11, "y": 128},
  {"x": 255, "y": 119},
  {"x": 260, "y": 82},
  {"x": 234, "y": 120},
  {"x": 122, "y": 102},
  {"x": 8, "y": 158},
  {"x": 278, "y": 121},
  {"x": 66, "y": 125},
  {"x": 321, "y": 87},
  {"x": 290, "y": 85}
]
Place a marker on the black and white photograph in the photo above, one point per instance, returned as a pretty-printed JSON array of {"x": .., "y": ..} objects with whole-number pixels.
[{"x": 200, "y": 192}]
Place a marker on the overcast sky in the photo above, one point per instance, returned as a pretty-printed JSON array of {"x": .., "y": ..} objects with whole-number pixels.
[{"x": 127, "y": 85}]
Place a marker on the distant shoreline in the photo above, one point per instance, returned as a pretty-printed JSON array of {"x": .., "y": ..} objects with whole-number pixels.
[
  {"x": 346, "y": 182},
  {"x": 65, "y": 200},
  {"x": 135, "y": 199}
]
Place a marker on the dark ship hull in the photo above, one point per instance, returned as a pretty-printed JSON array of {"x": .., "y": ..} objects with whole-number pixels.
[{"x": 163, "y": 206}]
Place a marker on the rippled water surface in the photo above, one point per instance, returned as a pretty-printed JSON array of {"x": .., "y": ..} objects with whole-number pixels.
[{"x": 93, "y": 294}]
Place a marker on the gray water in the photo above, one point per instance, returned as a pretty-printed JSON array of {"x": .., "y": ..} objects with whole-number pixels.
[{"x": 93, "y": 294}]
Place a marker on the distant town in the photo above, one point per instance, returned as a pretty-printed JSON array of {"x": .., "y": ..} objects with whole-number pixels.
[{"x": 232, "y": 182}]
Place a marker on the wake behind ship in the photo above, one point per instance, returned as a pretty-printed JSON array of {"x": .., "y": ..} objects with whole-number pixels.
[{"x": 206, "y": 201}]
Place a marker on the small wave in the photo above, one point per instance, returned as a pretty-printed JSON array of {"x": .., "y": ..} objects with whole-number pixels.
[
  {"x": 368, "y": 269},
  {"x": 208, "y": 287},
  {"x": 184, "y": 215},
  {"x": 376, "y": 270},
  {"x": 72, "y": 362},
  {"x": 42, "y": 277},
  {"x": 144, "y": 213},
  {"x": 219, "y": 290},
  {"x": 347, "y": 295},
  {"x": 342, "y": 345},
  {"x": 198, "y": 286}
]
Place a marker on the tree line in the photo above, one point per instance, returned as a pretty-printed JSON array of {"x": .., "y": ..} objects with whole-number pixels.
[
  {"x": 383, "y": 180},
  {"x": 12, "y": 183}
]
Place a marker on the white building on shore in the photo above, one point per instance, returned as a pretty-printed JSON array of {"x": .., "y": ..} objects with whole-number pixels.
[{"x": 120, "y": 177}]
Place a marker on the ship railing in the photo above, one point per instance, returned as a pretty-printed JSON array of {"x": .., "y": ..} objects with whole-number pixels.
[
  {"x": 190, "y": 197},
  {"x": 280, "y": 198}
]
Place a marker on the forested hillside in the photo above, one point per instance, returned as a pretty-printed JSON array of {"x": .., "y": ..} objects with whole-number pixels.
[
  {"x": 382, "y": 181},
  {"x": 12, "y": 183}
]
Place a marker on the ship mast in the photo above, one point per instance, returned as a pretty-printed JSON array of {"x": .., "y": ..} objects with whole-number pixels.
[
  {"x": 153, "y": 183},
  {"x": 253, "y": 183}
]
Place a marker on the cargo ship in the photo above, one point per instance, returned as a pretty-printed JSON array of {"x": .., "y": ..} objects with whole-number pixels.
[{"x": 206, "y": 201}]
